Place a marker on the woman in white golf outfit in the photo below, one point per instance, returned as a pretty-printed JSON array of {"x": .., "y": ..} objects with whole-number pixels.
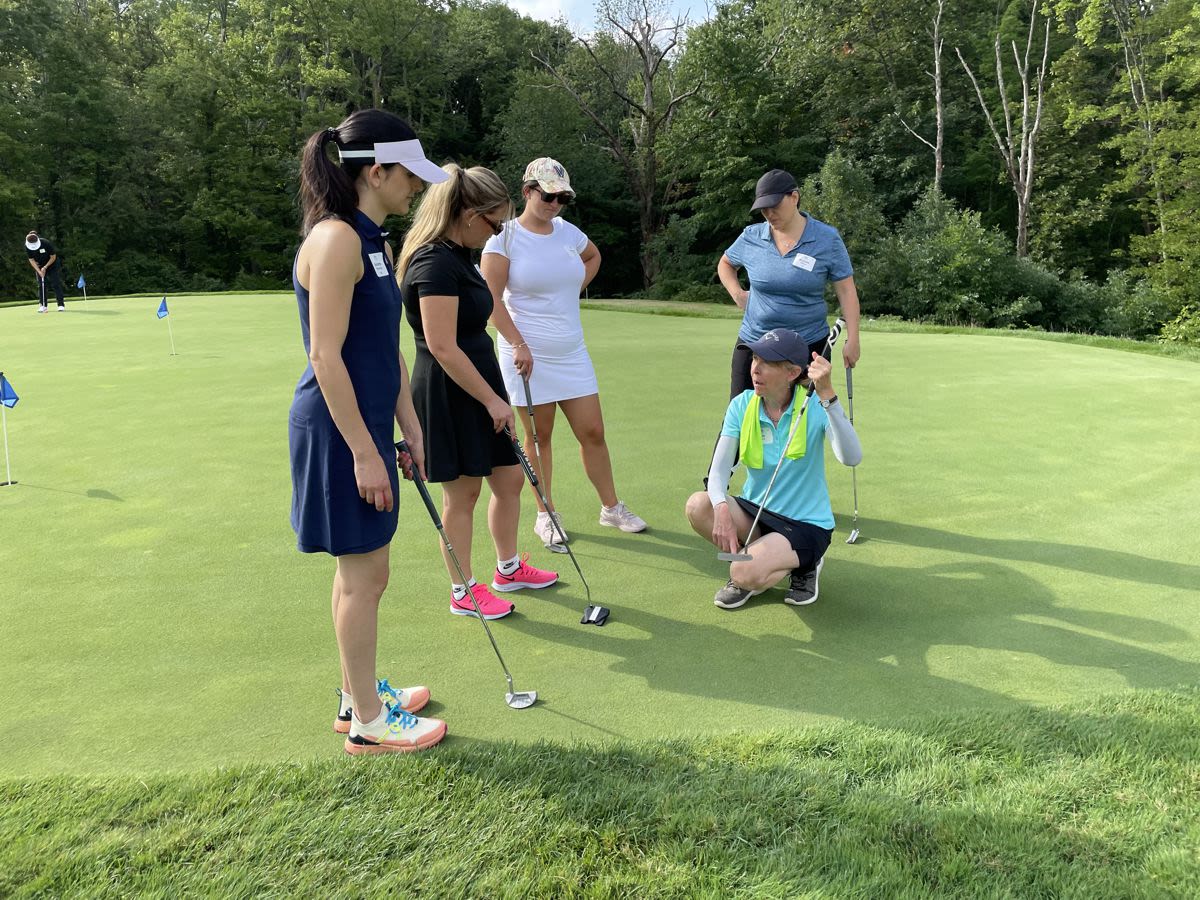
[{"x": 538, "y": 265}]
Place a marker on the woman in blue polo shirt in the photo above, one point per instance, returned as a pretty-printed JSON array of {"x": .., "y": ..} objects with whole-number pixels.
[
  {"x": 794, "y": 528},
  {"x": 788, "y": 258}
]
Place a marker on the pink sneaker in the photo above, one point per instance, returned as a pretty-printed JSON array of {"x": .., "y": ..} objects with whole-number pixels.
[
  {"x": 526, "y": 576},
  {"x": 490, "y": 605}
]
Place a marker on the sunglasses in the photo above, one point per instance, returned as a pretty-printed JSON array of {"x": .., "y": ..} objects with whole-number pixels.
[
  {"x": 563, "y": 198},
  {"x": 496, "y": 229}
]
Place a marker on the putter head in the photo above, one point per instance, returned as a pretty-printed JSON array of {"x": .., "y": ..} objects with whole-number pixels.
[
  {"x": 556, "y": 548},
  {"x": 520, "y": 699},
  {"x": 734, "y": 557},
  {"x": 853, "y": 537}
]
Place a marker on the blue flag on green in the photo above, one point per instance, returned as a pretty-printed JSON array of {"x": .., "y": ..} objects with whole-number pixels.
[
  {"x": 81, "y": 284},
  {"x": 7, "y": 395},
  {"x": 162, "y": 309}
]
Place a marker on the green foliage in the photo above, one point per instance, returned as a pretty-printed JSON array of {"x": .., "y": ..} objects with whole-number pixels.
[{"x": 1184, "y": 328}]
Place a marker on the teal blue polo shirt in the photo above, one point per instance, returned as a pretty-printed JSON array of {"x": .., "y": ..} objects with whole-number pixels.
[
  {"x": 789, "y": 291},
  {"x": 800, "y": 492}
]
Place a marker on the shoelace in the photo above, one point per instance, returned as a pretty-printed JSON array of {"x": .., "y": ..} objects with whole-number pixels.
[
  {"x": 388, "y": 694},
  {"x": 398, "y": 719}
]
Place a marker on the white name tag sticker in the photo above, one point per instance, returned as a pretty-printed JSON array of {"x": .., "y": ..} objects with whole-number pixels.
[
  {"x": 802, "y": 261},
  {"x": 379, "y": 264},
  {"x": 768, "y": 438}
]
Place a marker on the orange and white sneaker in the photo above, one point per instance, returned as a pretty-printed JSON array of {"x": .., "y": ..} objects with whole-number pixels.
[
  {"x": 524, "y": 576},
  {"x": 490, "y": 605},
  {"x": 393, "y": 731},
  {"x": 409, "y": 699}
]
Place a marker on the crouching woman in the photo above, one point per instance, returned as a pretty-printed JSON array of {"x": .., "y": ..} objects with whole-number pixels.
[{"x": 796, "y": 524}]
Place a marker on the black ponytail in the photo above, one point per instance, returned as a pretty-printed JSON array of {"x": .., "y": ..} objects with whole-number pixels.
[{"x": 327, "y": 187}]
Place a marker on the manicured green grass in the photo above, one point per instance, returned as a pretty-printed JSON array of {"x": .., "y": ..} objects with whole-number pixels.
[
  {"x": 1097, "y": 799},
  {"x": 1030, "y": 519}
]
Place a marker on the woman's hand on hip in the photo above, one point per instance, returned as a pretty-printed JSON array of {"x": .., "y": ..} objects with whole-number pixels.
[
  {"x": 501, "y": 413},
  {"x": 374, "y": 484}
]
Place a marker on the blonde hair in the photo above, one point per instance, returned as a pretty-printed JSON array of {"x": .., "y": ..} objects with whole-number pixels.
[{"x": 475, "y": 188}]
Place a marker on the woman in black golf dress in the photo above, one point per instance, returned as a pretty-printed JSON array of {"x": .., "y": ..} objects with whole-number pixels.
[{"x": 458, "y": 391}]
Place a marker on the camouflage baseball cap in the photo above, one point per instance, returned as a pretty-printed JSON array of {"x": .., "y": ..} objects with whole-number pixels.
[{"x": 550, "y": 176}]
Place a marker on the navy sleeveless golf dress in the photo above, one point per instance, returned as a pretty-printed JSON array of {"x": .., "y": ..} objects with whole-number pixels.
[{"x": 328, "y": 515}]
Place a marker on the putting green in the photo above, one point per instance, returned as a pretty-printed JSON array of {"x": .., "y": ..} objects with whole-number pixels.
[{"x": 1031, "y": 534}]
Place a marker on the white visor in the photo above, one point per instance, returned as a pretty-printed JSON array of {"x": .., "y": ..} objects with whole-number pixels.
[
  {"x": 33, "y": 245},
  {"x": 408, "y": 153}
]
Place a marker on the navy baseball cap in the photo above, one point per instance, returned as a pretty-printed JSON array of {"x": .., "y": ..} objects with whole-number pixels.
[
  {"x": 772, "y": 188},
  {"x": 781, "y": 345}
]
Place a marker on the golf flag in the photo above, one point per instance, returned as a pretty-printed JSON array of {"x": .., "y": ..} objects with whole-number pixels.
[
  {"x": 81, "y": 284},
  {"x": 163, "y": 313},
  {"x": 8, "y": 399},
  {"x": 7, "y": 395}
]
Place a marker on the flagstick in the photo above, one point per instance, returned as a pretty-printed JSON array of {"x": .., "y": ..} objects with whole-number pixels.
[
  {"x": 7, "y": 467},
  {"x": 171, "y": 333}
]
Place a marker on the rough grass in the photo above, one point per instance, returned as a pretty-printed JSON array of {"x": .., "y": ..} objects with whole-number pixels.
[{"x": 1100, "y": 799}]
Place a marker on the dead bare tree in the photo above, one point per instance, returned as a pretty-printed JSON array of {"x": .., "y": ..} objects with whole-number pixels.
[
  {"x": 1018, "y": 147},
  {"x": 649, "y": 100},
  {"x": 939, "y": 107}
]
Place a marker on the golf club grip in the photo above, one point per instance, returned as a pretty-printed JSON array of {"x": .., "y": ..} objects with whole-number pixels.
[
  {"x": 522, "y": 458},
  {"x": 402, "y": 446},
  {"x": 528, "y": 396}
]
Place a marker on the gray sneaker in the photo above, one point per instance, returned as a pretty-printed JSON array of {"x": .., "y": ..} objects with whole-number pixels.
[
  {"x": 620, "y": 517},
  {"x": 731, "y": 596},
  {"x": 803, "y": 588}
]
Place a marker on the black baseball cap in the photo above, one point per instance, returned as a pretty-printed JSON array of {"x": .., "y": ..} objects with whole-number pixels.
[
  {"x": 781, "y": 345},
  {"x": 772, "y": 188}
]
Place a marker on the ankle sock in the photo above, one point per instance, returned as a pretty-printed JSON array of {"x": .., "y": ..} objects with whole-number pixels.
[
  {"x": 459, "y": 590},
  {"x": 374, "y": 725},
  {"x": 508, "y": 566},
  {"x": 346, "y": 703}
]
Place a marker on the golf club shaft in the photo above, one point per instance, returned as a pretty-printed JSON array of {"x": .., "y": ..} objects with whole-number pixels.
[
  {"x": 834, "y": 332},
  {"x": 537, "y": 447},
  {"x": 402, "y": 446},
  {"x": 853, "y": 469},
  {"x": 536, "y": 485}
]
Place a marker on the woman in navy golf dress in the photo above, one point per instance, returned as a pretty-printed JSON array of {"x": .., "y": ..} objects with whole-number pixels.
[{"x": 344, "y": 480}]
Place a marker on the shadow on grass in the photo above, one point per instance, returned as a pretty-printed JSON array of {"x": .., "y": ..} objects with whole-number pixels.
[
  {"x": 880, "y": 643},
  {"x": 1091, "y": 560},
  {"x": 93, "y": 493}
]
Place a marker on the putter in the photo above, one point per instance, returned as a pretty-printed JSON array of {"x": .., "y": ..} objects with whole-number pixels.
[
  {"x": 42, "y": 291},
  {"x": 537, "y": 450},
  {"x": 514, "y": 698},
  {"x": 743, "y": 556},
  {"x": 853, "y": 469},
  {"x": 536, "y": 485}
]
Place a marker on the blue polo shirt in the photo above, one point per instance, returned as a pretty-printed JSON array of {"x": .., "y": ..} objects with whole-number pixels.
[
  {"x": 789, "y": 291},
  {"x": 800, "y": 492}
]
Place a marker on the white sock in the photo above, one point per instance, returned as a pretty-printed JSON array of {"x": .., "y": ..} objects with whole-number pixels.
[
  {"x": 508, "y": 566},
  {"x": 346, "y": 704},
  {"x": 460, "y": 590},
  {"x": 611, "y": 508}
]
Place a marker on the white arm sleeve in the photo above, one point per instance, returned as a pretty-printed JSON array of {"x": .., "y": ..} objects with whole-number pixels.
[
  {"x": 842, "y": 438},
  {"x": 720, "y": 469}
]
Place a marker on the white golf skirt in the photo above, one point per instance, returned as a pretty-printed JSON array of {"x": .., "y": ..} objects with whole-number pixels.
[{"x": 554, "y": 378}]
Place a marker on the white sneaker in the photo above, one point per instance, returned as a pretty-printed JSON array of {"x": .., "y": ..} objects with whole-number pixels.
[
  {"x": 619, "y": 516},
  {"x": 42, "y": 309},
  {"x": 394, "y": 731},
  {"x": 546, "y": 532}
]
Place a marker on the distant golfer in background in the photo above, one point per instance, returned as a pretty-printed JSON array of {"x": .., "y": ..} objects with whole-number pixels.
[
  {"x": 341, "y": 433},
  {"x": 45, "y": 262},
  {"x": 794, "y": 530},
  {"x": 789, "y": 257}
]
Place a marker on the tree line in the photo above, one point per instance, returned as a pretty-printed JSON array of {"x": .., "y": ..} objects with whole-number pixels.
[{"x": 1014, "y": 163}]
